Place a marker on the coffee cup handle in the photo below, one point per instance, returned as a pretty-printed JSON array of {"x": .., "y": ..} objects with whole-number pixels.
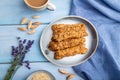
[{"x": 51, "y": 6}]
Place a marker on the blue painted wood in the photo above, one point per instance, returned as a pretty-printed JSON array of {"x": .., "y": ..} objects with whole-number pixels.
[
  {"x": 8, "y": 36},
  {"x": 23, "y": 72},
  {"x": 11, "y": 12}
]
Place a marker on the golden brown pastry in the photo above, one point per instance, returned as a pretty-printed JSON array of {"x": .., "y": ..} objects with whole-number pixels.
[
  {"x": 65, "y": 44},
  {"x": 80, "y": 49},
  {"x": 68, "y": 27},
  {"x": 73, "y": 34},
  {"x": 66, "y": 31},
  {"x": 68, "y": 40}
]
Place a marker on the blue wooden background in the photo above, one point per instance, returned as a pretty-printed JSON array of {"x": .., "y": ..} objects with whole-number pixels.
[{"x": 11, "y": 13}]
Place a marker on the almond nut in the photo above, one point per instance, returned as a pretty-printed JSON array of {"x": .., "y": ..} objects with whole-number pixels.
[
  {"x": 70, "y": 76},
  {"x": 24, "y": 20},
  {"x": 22, "y": 29},
  {"x": 35, "y": 17},
  {"x": 37, "y": 23},
  {"x": 32, "y": 31},
  {"x": 34, "y": 26},
  {"x": 63, "y": 71},
  {"x": 29, "y": 24}
]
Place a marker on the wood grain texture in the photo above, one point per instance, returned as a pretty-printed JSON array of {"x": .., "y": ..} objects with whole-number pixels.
[
  {"x": 12, "y": 12},
  {"x": 8, "y": 36},
  {"x": 23, "y": 72}
]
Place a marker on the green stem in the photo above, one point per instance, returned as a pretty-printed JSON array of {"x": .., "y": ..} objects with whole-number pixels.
[
  {"x": 13, "y": 67},
  {"x": 11, "y": 70}
]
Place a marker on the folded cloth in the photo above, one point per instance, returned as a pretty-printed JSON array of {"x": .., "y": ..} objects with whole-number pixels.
[{"x": 105, "y": 15}]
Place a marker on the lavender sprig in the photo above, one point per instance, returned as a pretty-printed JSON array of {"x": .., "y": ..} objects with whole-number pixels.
[{"x": 19, "y": 54}]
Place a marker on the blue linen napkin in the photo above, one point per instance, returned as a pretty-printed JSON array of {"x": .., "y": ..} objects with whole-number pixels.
[{"x": 105, "y": 15}]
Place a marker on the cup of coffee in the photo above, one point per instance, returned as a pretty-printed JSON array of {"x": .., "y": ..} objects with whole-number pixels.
[{"x": 40, "y": 4}]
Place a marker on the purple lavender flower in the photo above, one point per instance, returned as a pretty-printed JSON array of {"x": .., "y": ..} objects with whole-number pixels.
[
  {"x": 16, "y": 52},
  {"x": 20, "y": 41},
  {"x": 13, "y": 50},
  {"x": 27, "y": 64},
  {"x": 20, "y": 51},
  {"x": 32, "y": 42},
  {"x": 19, "y": 54},
  {"x": 25, "y": 51},
  {"x": 15, "y": 55},
  {"x": 21, "y": 47},
  {"x": 18, "y": 38},
  {"x": 16, "y": 48},
  {"x": 29, "y": 44},
  {"x": 24, "y": 41},
  {"x": 26, "y": 47},
  {"x": 28, "y": 67},
  {"x": 22, "y": 58}
]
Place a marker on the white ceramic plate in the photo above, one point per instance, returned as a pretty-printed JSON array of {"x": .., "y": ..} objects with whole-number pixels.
[{"x": 91, "y": 41}]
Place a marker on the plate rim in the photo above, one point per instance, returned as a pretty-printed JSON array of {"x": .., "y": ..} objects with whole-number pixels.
[
  {"x": 34, "y": 72},
  {"x": 70, "y": 16}
]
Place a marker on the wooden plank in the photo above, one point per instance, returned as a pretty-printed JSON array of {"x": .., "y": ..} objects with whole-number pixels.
[
  {"x": 8, "y": 37},
  {"x": 23, "y": 72},
  {"x": 11, "y": 12}
]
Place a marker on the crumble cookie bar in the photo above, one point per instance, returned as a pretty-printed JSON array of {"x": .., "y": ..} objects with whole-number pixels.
[
  {"x": 65, "y": 44},
  {"x": 67, "y": 35},
  {"x": 80, "y": 49},
  {"x": 68, "y": 27}
]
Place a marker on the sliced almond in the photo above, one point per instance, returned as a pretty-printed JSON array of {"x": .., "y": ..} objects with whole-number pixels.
[
  {"x": 35, "y": 17},
  {"x": 37, "y": 23},
  {"x": 24, "y": 20},
  {"x": 29, "y": 24},
  {"x": 22, "y": 29},
  {"x": 32, "y": 31},
  {"x": 63, "y": 71},
  {"x": 34, "y": 26},
  {"x": 70, "y": 76}
]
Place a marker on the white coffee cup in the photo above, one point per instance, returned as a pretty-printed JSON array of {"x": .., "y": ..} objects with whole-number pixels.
[{"x": 48, "y": 5}]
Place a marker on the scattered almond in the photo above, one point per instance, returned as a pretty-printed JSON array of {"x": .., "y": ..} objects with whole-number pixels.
[
  {"x": 24, "y": 20},
  {"x": 29, "y": 24},
  {"x": 63, "y": 71},
  {"x": 70, "y": 76},
  {"x": 35, "y": 17},
  {"x": 32, "y": 31},
  {"x": 37, "y": 23},
  {"x": 22, "y": 29},
  {"x": 34, "y": 26}
]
